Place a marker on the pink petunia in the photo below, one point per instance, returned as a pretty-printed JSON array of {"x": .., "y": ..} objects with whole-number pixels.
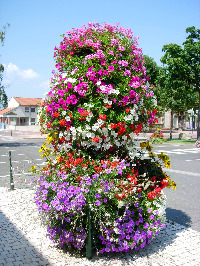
[{"x": 111, "y": 68}]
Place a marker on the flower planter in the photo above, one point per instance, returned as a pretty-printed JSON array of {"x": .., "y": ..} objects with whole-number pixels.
[{"x": 97, "y": 191}]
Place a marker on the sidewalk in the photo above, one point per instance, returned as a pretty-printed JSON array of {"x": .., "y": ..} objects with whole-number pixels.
[
  {"x": 23, "y": 241},
  {"x": 37, "y": 134}
]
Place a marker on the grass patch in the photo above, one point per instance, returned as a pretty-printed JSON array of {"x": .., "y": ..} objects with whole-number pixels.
[{"x": 183, "y": 141}]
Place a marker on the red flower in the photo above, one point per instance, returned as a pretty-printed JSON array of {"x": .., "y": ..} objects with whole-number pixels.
[
  {"x": 113, "y": 126},
  {"x": 56, "y": 114},
  {"x": 102, "y": 117},
  {"x": 151, "y": 195},
  {"x": 121, "y": 130},
  {"x": 62, "y": 122},
  {"x": 96, "y": 139},
  {"x": 132, "y": 179},
  {"x": 48, "y": 125},
  {"x": 132, "y": 126}
]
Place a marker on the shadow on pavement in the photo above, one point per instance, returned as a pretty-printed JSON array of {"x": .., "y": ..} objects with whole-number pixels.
[
  {"x": 165, "y": 238},
  {"x": 15, "y": 247},
  {"x": 178, "y": 216}
]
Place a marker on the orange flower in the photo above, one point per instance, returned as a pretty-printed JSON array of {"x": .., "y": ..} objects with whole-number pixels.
[
  {"x": 96, "y": 139},
  {"x": 62, "y": 122},
  {"x": 102, "y": 117},
  {"x": 56, "y": 114}
]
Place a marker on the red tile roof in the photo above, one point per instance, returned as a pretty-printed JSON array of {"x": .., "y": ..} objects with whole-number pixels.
[
  {"x": 6, "y": 110},
  {"x": 28, "y": 101}
]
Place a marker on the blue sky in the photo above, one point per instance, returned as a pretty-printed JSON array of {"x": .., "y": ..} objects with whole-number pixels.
[{"x": 36, "y": 26}]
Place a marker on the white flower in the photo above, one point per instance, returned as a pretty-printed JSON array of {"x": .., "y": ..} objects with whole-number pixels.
[
  {"x": 105, "y": 131},
  {"x": 79, "y": 129},
  {"x": 121, "y": 203},
  {"x": 60, "y": 135},
  {"x": 64, "y": 75},
  {"x": 88, "y": 119},
  {"x": 115, "y": 91},
  {"x": 90, "y": 114},
  {"x": 64, "y": 112},
  {"x": 72, "y": 80},
  {"x": 98, "y": 83},
  {"x": 83, "y": 134},
  {"x": 95, "y": 127},
  {"x": 90, "y": 135},
  {"x": 105, "y": 100},
  {"x": 67, "y": 118},
  {"x": 124, "y": 138},
  {"x": 88, "y": 127},
  {"x": 118, "y": 143}
]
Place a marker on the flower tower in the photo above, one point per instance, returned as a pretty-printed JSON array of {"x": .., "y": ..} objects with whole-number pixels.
[{"x": 97, "y": 190}]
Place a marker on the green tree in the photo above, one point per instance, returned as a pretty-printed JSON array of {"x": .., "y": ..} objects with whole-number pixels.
[
  {"x": 192, "y": 49},
  {"x": 155, "y": 72},
  {"x": 152, "y": 70},
  {"x": 3, "y": 96},
  {"x": 177, "y": 80}
]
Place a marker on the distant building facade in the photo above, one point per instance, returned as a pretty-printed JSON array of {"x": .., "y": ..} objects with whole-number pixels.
[{"x": 20, "y": 112}]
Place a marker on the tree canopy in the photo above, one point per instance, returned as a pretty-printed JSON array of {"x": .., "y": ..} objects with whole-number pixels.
[
  {"x": 180, "y": 78},
  {"x": 3, "y": 96}
]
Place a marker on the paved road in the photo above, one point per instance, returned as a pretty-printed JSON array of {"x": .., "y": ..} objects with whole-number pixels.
[
  {"x": 183, "y": 204},
  {"x": 24, "y": 154}
]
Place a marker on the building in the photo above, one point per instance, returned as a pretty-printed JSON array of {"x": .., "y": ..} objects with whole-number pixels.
[{"x": 20, "y": 112}]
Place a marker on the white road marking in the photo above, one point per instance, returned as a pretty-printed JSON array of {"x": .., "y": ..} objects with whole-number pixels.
[
  {"x": 181, "y": 172},
  {"x": 44, "y": 163},
  {"x": 170, "y": 152}
]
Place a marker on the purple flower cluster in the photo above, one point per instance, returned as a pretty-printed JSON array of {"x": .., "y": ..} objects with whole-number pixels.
[
  {"x": 65, "y": 202},
  {"x": 128, "y": 232}
]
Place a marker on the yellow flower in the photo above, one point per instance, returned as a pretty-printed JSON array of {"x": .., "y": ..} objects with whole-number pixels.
[
  {"x": 163, "y": 157},
  {"x": 152, "y": 154},
  {"x": 167, "y": 164},
  {"x": 143, "y": 145},
  {"x": 148, "y": 147},
  {"x": 173, "y": 185},
  {"x": 33, "y": 170}
]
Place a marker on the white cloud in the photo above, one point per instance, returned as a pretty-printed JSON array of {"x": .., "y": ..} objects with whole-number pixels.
[
  {"x": 45, "y": 87},
  {"x": 13, "y": 71}
]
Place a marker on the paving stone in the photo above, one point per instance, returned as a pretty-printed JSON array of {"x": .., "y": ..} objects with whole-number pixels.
[{"x": 23, "y": 241}]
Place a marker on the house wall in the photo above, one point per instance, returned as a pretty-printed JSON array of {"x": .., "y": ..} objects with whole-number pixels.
[
  {"x": 22, "y": 117},
  {"x": 13, "y": 103}
]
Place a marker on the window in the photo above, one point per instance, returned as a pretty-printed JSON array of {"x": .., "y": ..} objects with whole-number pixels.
[
  {"x": 32, "y": 121},
  {"x": 26, "y": 109},
  {"x": 32, "y": 109}
]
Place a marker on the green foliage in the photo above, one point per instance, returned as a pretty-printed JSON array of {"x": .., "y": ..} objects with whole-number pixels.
[
  {"x": 3, "y": 96},
  {"x": 180, "y": 78},
  {"x": 152, "y": 70}
]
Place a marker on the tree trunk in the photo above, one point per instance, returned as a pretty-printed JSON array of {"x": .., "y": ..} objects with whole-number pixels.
[
  {"x": 180, "y": 120},
  {"x": 198, "y": 122}
]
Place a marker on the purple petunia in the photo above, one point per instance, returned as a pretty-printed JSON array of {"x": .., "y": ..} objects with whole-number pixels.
[{"x": 98, "y": 202}]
